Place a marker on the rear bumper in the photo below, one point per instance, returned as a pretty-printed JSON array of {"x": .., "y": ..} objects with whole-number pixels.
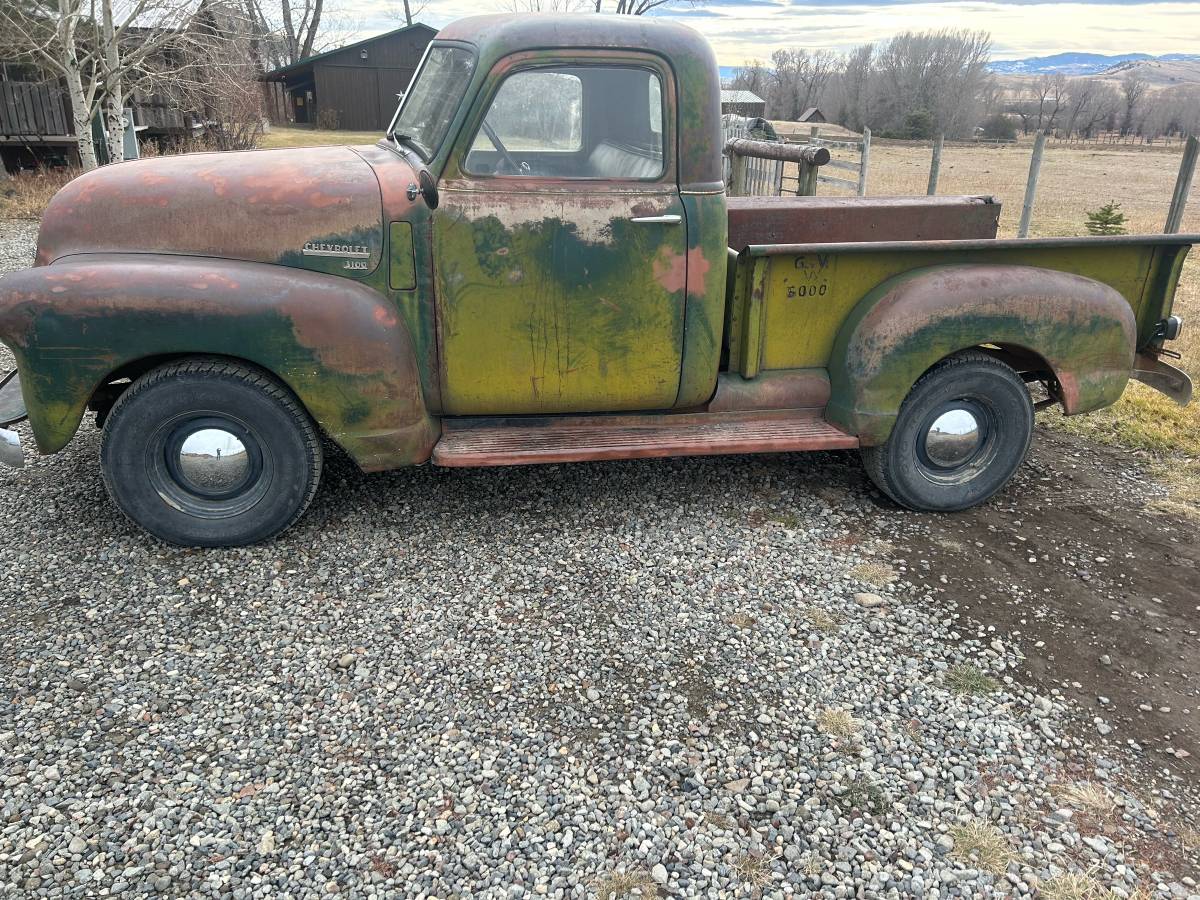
[{"x": 10, "y": 449}]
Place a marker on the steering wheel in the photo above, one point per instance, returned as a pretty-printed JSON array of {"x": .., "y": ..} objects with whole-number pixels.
[{"x": 513, "y": 165}]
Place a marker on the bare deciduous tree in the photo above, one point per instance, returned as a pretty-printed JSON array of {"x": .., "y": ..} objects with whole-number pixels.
[
  {"x": 546, "y": 6},
  {"x": 1090, "y": 102},
  {"x": 1133, "y": 89},
  {"x": 287, "y": 31},
  {"x": 639, "y": 7},
  {"x": 923, "y": 81}
]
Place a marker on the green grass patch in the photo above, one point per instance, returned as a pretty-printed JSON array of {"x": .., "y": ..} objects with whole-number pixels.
[
  {"x": 283, "y": 136},
  {"x": 967, "y": 679}
]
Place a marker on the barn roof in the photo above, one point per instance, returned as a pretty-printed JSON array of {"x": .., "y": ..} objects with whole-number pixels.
[
  {"x": 740, "y": 97},
  {"x": 282, "y": 71},
  {"x": 811, "y": 112}
]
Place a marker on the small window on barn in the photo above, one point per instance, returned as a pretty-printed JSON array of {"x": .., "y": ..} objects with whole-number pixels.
[{"x": 601, "y": 122}]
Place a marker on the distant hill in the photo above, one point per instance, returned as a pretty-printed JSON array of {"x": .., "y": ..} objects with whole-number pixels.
[{"x": 1097, "y": 64}]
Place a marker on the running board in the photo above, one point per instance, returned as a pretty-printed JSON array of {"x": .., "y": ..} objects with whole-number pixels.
[{"x": 524, "y": 441}]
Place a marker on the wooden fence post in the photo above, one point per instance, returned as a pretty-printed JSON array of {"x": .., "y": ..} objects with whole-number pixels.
[
  {"x": 806, "y": 179},
  {"x": 935, "y": 164},
  {"x": 737, "y": 175},
  {"x": 1183, "y": 184},
  {"x": 1035, "y": 165},
  {"x": 864, "y": 161}
]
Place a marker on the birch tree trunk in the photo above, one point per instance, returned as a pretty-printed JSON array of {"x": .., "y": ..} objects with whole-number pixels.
[
  {"x": 68, "y": 62},
  {"x": 80, "y": 109},
  {"x": 114, "y": 89}
]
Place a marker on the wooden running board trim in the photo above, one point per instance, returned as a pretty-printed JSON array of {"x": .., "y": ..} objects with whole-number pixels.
[{"x": 515, "y": 442}]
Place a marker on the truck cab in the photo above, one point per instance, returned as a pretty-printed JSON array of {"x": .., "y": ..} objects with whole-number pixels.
[{"x": 579, "y": 238}]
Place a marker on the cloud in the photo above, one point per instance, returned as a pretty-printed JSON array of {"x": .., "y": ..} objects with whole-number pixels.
[{"x": 742, "y": 30}]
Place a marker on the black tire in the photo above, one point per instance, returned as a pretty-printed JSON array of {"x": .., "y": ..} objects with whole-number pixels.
[
  {"x": 272, "y": 454},
  {"x": 956, "y": 476}
]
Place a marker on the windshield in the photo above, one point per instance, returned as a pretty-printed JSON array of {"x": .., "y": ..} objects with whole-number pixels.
[{"x": 432, "y": 99}]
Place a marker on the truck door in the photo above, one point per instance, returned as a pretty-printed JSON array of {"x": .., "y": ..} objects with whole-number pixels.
[{"x": 559, "y": 243}]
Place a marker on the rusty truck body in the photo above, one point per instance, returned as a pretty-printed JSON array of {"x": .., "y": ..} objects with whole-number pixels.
[{"x": 539, "y": 263}]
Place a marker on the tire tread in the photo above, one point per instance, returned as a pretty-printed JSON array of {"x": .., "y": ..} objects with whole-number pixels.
[
  {"x": 875, "y": 459},
  {"x": 251, "y": 377}
]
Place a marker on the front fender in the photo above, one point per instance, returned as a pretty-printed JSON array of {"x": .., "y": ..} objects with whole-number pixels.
[
  {"x": 340, "y": 346},
  {"x": 1083, "y": 329}
]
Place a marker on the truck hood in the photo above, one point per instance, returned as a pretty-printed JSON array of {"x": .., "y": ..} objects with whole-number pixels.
[{"x": 316, "y": 208}]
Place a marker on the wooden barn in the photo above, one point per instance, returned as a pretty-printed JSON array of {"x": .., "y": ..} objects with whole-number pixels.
[
  {"x": 37, "y": 128},
  {"x": 743, "y": 103},
  {"x": 355, "y": 87}
]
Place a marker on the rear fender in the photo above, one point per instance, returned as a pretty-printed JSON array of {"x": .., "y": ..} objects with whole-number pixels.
[
  {"x": 1083, "y": 329},
  {"x": 340, "y": 346}
]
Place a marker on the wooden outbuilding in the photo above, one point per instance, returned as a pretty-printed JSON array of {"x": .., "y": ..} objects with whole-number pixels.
[
  {"x": 813, "y": 116},
  {"x": 743, "y": 103},
  {"x": 356, "y": 87}
]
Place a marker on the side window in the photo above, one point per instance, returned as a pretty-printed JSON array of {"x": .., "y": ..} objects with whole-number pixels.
[
  {"x": 600, "y": 122},
  {"x": 538, "y": 111},
  {"x": 656, "y": 111}
]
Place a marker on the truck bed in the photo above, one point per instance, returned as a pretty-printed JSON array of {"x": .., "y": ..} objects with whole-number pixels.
[
  {"x": 813, "y": 220},
  {"x": 806, "y": 291}
]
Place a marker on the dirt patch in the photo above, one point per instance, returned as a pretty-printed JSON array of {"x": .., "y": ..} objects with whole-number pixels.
[{"x": 1100, "y": 590}]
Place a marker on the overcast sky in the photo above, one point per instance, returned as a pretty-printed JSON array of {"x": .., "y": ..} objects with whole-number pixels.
[{"x": 741, "y": 30}]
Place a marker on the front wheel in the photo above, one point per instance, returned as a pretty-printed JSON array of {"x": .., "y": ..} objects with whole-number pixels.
[
  {"x": 209, "y": 453},
  {"x": 962, "y": 432}
]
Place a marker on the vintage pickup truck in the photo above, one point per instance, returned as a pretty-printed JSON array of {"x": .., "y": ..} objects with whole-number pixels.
[{"x": 538, "y": 263}]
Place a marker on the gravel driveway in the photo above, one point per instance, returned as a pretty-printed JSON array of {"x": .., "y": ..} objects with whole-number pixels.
[{"x": 708, "y": 677}]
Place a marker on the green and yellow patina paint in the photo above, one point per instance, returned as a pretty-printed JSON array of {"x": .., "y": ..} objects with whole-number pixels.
[
  {"x": 403, "y": 271},
  {"x": 545, "y": 306}
]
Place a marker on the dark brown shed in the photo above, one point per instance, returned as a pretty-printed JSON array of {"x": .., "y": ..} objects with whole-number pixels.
[{"x": 355, "y": 87}]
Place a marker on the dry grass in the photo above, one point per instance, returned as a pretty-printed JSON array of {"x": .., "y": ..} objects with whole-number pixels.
[
  {"x": 1083, "y": 886},
  {"x": 982, "y": 845},
  {"x": 742, "y": 620},
  {"x": 25, "y": 196},
  {"x": 875, "y": 573},
  {"x": 966, "y": 679},
  {"x": 720, "y": 820},
  {"x": 1087, "y": 796},
  {"x": 838, "y": 723},
  {"x": 283, "y": 136},
  {"x": 619, "y": 885},
  {"x": 753, "y": 870},
  {"x": 822, "y": 620}
]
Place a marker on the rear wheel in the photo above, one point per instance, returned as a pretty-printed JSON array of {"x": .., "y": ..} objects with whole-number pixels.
[
  {"x": 962, "y": 432},
  {"x": 209, "y": 453}
]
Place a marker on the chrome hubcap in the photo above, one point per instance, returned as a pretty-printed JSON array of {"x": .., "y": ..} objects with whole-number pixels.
[
  {"x": 953, "y": 438},
  {"x": 213, "y": 462}
]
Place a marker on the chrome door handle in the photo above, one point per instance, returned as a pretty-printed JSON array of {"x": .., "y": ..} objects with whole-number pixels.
[{"x": 657, "y": 220}]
